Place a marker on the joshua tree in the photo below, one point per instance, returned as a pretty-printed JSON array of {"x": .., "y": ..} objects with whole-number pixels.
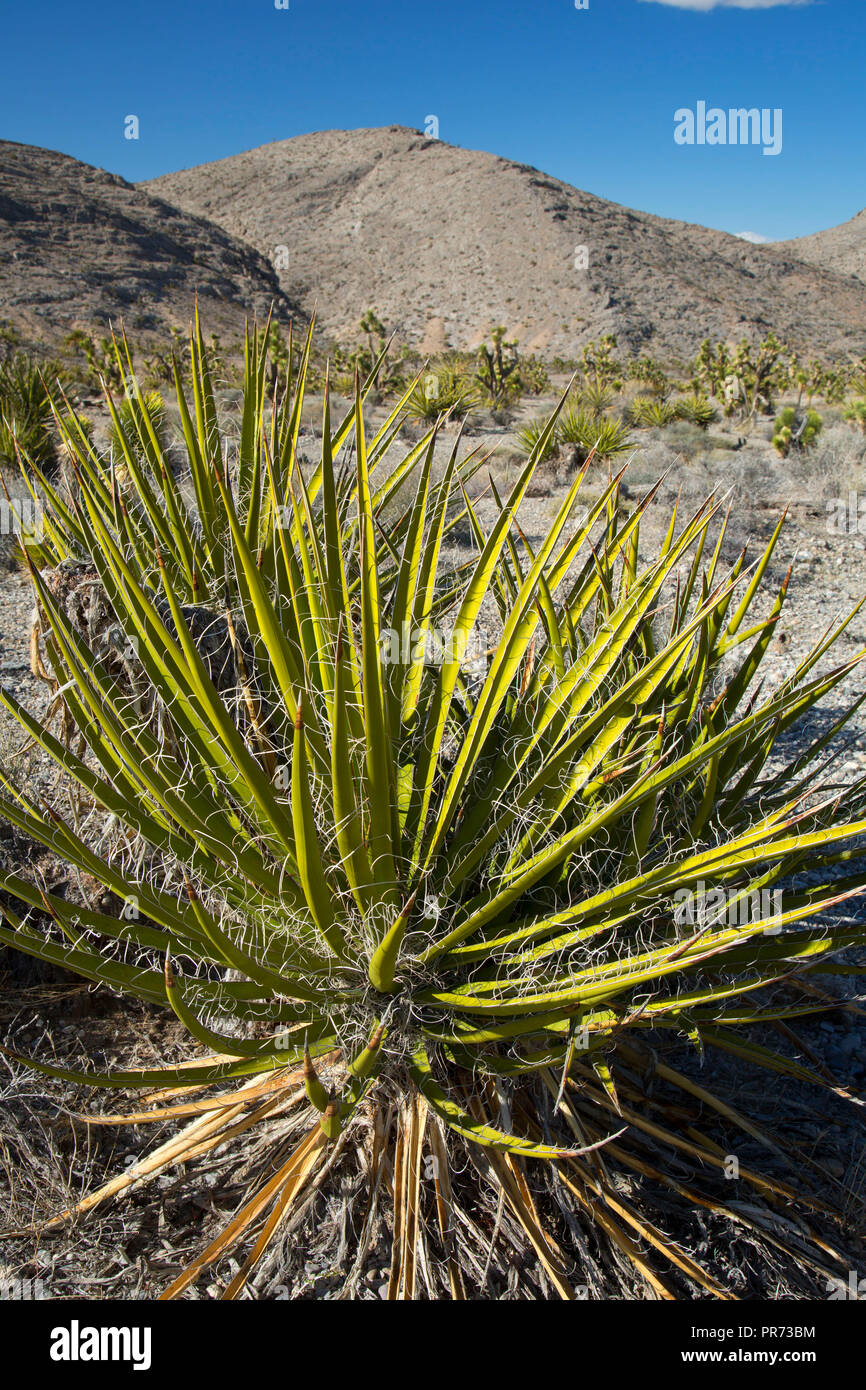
[{"x": 498, "y": 367}]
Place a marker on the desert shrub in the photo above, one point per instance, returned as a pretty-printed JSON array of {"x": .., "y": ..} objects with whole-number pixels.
[
  {"x": 163, "y": 360},
  {"x": 10, "y": 339},
  {"x": 684, "y": 438},
  {"x": 534, "y": 378},
  {"x": 502, "y": 413},
  {"x": 795, "y": 430},
  {"x": 651, "y": 373},
  {"x": 26, "y": 417},
  {"x": 92, "y": 361},
  {"x": 833, "y": 466},
  {"x": 411, "y": 896}
]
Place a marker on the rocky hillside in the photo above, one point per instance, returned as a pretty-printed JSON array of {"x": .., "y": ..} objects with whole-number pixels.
[
  {"x": 80, "y": 247},
  {"x": 446, "y": 242},
  {"x": 842, "y": 249}
]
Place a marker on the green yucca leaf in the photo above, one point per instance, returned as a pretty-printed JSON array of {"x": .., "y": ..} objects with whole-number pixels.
[{"x": 310, "y": 868}]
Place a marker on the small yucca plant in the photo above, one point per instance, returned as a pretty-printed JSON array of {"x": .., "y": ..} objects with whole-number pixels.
[
  {"x": 529, "y": 441},
  {"x": 580, "y": 432},
  {"x": 25, "y": 413},
  {"x": 418, "y": 904},
  {"x": 596, "y": 398},
  {"x": 697, "y": 410},
  {"x": 441, "y": 393},
  {"x": 646, "y": 413},
  {"x": 584, "y": 433}
]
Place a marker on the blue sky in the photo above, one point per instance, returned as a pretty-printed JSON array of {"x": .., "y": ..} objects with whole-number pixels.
[{"x": 588, "y": 95}]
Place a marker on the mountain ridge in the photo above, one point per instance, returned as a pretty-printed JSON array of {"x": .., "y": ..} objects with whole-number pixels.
[
  {"x": 83, "y": 248},
  {"x": 444, "y": 243},
  {"x": 841, "y": 249}
]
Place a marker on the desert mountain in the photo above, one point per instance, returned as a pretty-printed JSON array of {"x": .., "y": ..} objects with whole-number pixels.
[
  {"x": 80, "y": 247},
  {"x": 444, "y": 243},
  {"x": 842, "y": 249}
]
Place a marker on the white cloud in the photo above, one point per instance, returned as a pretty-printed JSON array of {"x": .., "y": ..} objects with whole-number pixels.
[
  {"x": 727, "y": 4},
  {"x": 757, "y": 237}
]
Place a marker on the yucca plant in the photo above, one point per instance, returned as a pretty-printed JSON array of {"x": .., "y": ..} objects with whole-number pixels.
[
  {"x": 408, "y": 906},
  {"x": 25, "y": 412},
  {"x": 442, "y": 392},
  {"x": 646, "y": 413},
  {"x": 596, "y": 397},
  {"x": 528, "y": 440},
  {"x": 584, "y": 434},
  {"x": 697, "y": 410}
]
